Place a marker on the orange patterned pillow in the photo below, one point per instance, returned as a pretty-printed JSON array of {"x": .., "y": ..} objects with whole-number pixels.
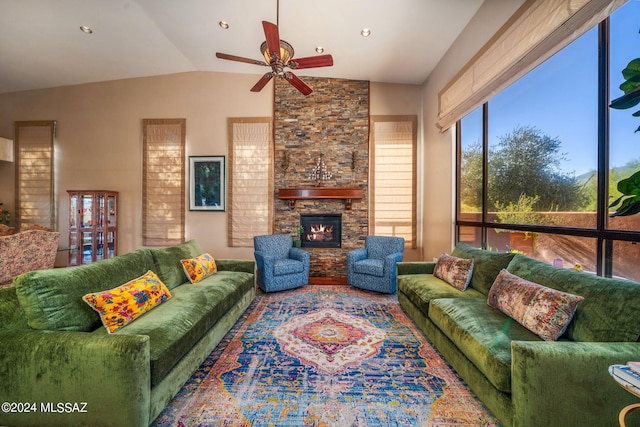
[
  {"x": 544, "y": 311},
  {"x": 120, "y": 306},
  {"x": 455, "y": 271},
  {"x": 199, "y": 267}
]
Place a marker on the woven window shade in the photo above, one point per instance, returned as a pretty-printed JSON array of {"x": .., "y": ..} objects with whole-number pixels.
[
  {"x": 250, "y": 179},
  {"x": 393, "y": 168},
  {"x": 538, "y": 30},
  {"x": 35, "y": 201},
  {"x": 163, "y": 182}
]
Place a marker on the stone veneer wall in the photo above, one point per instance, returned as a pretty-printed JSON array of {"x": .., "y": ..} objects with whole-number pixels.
[{"x": 332, "y": 121}]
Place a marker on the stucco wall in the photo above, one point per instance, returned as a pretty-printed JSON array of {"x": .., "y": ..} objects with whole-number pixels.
[
  {"x": 439, "y": 148},
  {"x": 99, "y": 138}
]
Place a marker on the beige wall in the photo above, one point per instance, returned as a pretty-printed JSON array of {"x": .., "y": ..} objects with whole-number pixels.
[
  {"x": 99, "y": 138},
  {"x": 439, "y": 148}
]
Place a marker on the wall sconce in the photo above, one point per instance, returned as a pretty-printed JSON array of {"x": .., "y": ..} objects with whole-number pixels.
[{"x": 6, "y": 150}]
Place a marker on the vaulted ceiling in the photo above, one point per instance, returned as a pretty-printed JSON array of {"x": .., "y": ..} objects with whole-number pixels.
[{"x": 41, "y": 44}]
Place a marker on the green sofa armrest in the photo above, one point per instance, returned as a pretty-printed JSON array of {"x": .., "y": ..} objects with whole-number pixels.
[
  {"x": 246, "y": 266},
  {"x": 415, "y": 267},
  {"x": 74, "y": 378},
  {"x": 567, "y": 383}
]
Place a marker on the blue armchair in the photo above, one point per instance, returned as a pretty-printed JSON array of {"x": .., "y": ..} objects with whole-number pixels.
[
  {"x": 279, "y": 265},
  {"x": 374, "y": 266}
]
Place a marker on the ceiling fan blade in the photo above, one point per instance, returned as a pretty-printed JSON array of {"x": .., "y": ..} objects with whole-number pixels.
[
  {"x": 272, "y": 36},
  {"x": 311, "y": 62},
  {"x": 297, "y": 83},
  {"x": 239, "y": 59},
  {"x": 262, "y": 82}
]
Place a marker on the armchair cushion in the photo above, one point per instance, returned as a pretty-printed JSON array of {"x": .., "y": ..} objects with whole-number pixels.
[
  {"x": 373, "y": 267},
  {"x": 287, "y": 266}
]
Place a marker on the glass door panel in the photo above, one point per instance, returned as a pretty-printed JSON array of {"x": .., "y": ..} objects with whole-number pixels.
[
  {"x": 100, "y": 210},
  {"x": 86, "y": 208},
  {"x": 111, "y": 205},
  {"x": 99, "y": 246},
  {"x": 87, "y": 247}
]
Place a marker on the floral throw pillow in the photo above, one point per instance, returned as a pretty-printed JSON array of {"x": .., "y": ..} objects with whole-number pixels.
[
  {"x": 199, "y": 267},
  {"x": 119, "y": 306},
  {"x": 455, "y": 271},
  {"x": 544, "y": 311}
]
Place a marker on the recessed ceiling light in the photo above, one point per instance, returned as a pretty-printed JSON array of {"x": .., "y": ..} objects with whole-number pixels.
[
  {"x": 86, "y": 30},
  {"x": 365, "y": 32},
  {"x": 224, "y": 25},
  {"x": 319, "y": 49}
]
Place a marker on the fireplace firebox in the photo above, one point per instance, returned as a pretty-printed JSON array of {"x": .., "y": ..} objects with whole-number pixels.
[{"x": 321, "y": 230}]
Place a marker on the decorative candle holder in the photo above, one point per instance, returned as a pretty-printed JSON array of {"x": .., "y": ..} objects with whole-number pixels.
[{"x": 320, "y": 173}]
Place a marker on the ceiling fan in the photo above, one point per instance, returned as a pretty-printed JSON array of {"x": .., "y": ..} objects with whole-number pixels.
[{"x": 278, "y": 55}]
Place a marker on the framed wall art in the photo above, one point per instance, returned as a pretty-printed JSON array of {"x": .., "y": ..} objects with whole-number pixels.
[{"x": 207, "y": 183}]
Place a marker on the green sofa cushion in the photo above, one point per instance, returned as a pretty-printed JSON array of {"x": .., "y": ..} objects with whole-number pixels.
[
  {"x": 52, "y": 299},
  {"x": 12, "y": 315},
  {"x": 482, "y": 333},
  {"x": 167, "y": 262},
  {"x": 486, "y": 265},
  {"x": 422, "y": 288},
  {"x": 175, "y": 326},
  {"x": 610, "y": 310}
]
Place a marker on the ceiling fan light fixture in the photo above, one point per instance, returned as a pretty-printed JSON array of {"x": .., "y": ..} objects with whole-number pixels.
[{"x": 286, "y": 52}]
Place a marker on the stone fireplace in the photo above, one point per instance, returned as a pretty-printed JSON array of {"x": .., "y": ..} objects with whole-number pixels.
[
  {"x": 321, "y": 230},
  {"x": 331, "y": 124}
]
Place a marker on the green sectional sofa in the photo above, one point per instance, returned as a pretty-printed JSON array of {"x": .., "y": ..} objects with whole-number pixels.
[
  {"x": 60, "y": 367},
  {"x": 524, "y": 380}
]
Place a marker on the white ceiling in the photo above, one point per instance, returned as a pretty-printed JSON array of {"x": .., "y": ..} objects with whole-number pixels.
[{"x": 42, "y": 46}]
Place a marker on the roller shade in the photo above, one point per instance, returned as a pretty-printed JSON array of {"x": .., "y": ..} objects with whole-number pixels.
[{"x": 538, "y": 30}]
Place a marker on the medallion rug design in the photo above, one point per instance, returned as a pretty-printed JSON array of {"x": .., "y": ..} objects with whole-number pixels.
[{"x": 325, "y": 356}]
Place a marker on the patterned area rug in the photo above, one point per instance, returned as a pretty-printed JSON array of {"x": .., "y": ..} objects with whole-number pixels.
[{"x": 325, "y": 356}]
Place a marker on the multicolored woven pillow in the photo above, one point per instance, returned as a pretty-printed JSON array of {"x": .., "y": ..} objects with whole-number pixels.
[
  {"x": 199, "y": 267},
  {"x": 544, "y": 311},
  {"x": 455, "y": 271},
  {"x": 120, "y": 306}
]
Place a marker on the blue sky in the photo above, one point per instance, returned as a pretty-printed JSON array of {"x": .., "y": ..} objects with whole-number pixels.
[{"x": 560, "y": 98}]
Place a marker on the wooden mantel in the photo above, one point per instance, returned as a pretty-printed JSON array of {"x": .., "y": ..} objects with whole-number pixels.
[{"x": 293, "y": 194}]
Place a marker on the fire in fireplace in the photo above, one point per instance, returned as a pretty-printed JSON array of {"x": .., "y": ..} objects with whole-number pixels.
[{"x": 321, "y": 230}]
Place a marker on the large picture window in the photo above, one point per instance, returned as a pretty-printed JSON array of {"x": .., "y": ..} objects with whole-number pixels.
[{"x": 539, "y": 162}]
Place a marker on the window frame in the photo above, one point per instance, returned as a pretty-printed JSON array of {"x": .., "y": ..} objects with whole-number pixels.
[{"x": 604, "y": 236}]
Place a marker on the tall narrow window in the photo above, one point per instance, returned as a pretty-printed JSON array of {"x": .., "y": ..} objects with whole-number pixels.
[
  {"x": 35, "y": 201},
  {"x": 393, "y": 171},
  {"x": 163, "y": 182},
  {"x": 250, "y": 179}
]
